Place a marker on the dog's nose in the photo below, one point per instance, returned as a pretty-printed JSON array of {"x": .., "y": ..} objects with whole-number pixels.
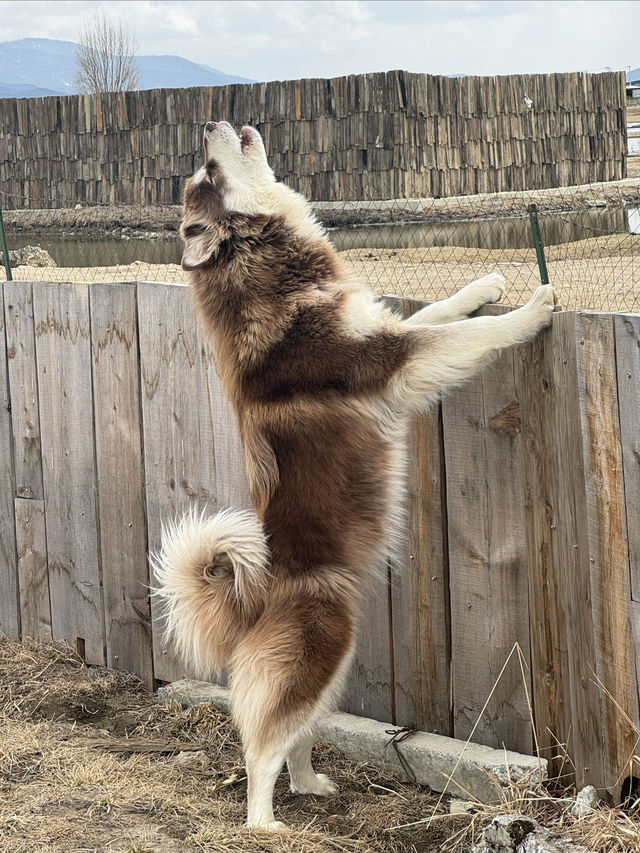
[{"x": 210, "y": 126}]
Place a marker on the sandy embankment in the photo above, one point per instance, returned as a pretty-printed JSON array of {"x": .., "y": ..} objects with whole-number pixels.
[{"x": 601, "y": 273}]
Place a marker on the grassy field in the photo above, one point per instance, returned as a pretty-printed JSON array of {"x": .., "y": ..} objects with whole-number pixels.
[{"x": 90, "y": 762}]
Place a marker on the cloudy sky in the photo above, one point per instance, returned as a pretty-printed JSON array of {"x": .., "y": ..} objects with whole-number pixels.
[{"x": 276, "y": 39}]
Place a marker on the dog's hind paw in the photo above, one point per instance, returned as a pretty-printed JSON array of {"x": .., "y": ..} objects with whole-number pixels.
[
  {"x": 275, "y": 826},
  {"x": 270, "y": 826},
  {"x": 319, "y": 784}
]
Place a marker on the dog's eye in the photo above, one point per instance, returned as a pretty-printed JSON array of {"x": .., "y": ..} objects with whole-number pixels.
[{"x": 194, "y": 230}]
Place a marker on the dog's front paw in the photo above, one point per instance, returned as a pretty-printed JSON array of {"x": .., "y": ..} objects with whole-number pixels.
[
  {"x": 320, "y": 785},
  {"x": 490, "y": 288},
  {"x": 541, "y": 305}
]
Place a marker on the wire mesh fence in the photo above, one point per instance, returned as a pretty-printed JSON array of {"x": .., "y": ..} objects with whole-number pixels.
[{"x": 423, "y": 248}]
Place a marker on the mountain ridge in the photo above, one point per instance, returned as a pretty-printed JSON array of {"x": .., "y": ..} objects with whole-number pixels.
[{"x": 33, "y": 67}]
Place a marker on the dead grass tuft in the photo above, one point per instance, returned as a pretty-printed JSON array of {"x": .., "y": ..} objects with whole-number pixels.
[{"x": 87, "y": 762}]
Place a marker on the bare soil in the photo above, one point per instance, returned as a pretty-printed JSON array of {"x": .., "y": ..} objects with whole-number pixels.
[{"x": 89, "y": 761}]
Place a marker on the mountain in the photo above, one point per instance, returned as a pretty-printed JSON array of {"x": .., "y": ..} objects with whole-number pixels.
[
  {"x": 173, "y": 72},
  {"x": 31, "y": 68}
]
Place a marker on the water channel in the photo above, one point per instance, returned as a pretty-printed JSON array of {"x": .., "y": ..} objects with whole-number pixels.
[{"x": 91, "y": 249}]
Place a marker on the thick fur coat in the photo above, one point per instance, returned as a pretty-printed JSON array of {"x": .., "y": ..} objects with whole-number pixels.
[{"x": 323, "y": 378}]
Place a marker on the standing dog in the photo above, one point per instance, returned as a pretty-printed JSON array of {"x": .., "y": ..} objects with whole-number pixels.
[{"x": 323, "y": 378}]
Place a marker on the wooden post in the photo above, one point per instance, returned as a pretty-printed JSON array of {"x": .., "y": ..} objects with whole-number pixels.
[
  {"x": 120, "y": 478},
  {"x": 177, "y": 373},
  {"x": 63, "y": 352},
  {"x": 487, "y": 555},
  {"x": 9, "y": 611}
]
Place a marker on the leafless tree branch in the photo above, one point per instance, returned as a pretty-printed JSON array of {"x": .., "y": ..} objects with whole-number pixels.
[{"x": 106, "y": 56}]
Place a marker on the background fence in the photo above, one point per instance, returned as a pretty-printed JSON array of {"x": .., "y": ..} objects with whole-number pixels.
[
  {"x": 368, "y": 136},
  {"x": 521, "y": 522},
  {"x": 421, "y": 248}
]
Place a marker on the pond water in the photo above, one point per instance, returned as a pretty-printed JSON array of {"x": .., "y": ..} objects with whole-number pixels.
[{"x": 89, "y": 250}]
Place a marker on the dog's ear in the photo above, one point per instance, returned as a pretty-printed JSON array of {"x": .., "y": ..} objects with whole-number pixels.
[{"x": 199, "y": 248}]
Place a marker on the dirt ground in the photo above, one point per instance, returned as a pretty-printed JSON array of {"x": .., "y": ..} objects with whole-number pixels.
[
  {"x": 90, "y": 762},
  {"x": 600, "y": 273}
]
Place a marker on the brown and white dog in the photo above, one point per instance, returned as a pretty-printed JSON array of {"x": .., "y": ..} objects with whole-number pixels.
[{"x": 323, "y": 378}]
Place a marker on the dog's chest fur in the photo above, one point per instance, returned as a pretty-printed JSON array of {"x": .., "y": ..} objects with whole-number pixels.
[{"x": 325, "y": 452}]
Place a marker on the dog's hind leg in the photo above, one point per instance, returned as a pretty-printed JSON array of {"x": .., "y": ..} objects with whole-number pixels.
[
  {"x": 304, "y": 779},
  {"x": 285, "y": 673},
  {"x": 489, "y": 288},
  {"x": 263, "y": 768}
]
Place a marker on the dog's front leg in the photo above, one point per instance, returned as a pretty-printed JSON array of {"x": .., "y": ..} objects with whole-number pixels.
[
  {"x": 489, "y": 288},
  {"x": 448, "y": 355}
]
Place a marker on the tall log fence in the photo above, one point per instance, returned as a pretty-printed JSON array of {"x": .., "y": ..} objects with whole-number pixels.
[
  {"x": 367, "y": 136},
  {"x": 522, "y": 537}
]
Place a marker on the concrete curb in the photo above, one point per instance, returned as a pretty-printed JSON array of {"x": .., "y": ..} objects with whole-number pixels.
[{"x": 478, "y": 772}]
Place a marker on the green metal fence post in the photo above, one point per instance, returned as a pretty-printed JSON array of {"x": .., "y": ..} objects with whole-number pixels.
[
  {"x": 537, "y": 242},
  {"x": 3, "y": 246}
]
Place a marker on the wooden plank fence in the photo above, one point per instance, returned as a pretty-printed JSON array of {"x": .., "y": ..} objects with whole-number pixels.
[
  {"x": 521, "y": 523},
  {"x": 369, "y": 136}
]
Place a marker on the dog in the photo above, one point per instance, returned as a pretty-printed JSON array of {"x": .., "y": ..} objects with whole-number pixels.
[{"x": 323, "y": 379}]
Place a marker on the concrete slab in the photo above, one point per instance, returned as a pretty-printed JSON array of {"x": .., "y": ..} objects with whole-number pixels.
[{"x": 466, "y": 770}]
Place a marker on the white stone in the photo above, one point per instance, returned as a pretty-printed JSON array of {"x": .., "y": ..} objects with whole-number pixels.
[
  {"x": 476, "y": 771},
  {"x": 586, "y": 801}
]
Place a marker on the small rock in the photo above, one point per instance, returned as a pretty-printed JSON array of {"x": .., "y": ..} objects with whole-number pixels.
[
  {"x": 516, "y": 833},
  {"x": 198, "y": 760},
  {"x": 461, "y": 806},
  {"x": 505, "y": 833},
  {"x": 29, "y": 256},
  {"x": 586, "y": 802}
]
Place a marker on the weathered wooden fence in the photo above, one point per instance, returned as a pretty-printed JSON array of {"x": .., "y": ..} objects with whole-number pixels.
[
  {"x": 366, "y": 136},
  {"x": 523, "y": 516}
]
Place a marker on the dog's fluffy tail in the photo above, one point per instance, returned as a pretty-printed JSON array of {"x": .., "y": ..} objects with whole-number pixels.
[{"x": 211, "y": 575}]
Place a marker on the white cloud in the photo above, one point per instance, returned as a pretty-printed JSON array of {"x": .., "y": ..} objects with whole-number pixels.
[{"x": 274, "y": 39}]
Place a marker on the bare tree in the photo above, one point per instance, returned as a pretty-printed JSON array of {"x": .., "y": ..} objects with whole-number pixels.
[{"x": 106, "y": 56}]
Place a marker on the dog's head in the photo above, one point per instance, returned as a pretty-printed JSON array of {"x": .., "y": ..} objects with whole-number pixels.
[{"x": 235, "y": 184}]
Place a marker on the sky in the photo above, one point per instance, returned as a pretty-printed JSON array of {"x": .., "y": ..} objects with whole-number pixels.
[{"x": 287, "y": 39}]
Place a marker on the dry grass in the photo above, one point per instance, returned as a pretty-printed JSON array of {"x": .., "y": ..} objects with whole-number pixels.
[
  {"x": 88, "y": 762},
  {"x": 601, "y": 273},
  {"x": 598, "y": 274}
]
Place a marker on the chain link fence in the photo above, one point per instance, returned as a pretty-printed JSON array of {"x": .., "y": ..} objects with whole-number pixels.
[{"x": 422, "y": 248}]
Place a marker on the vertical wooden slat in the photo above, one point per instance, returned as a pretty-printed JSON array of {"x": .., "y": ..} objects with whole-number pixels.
[
  {"x": 35, "y": 605},
  {"x": 177, "y": 371},
  {"x": 487, "y": 556},
  {"x": 420, "y": 592},
  {"x": 570, "y": 556},
  {"x": 120, "y": 478},
  {"x": 24, "y": 384},
  {"x": 63, "y": 351},
  {"x": 368, "y": 689},
  {"x": 232, "y": 483},
  {"x": 607, "y": 543},
  {"x": 9, "y": 612},
  {"x": 537, "y": 392},
  {"x": 420, "y": 588},
  {"x": 627, "y": 338}
]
